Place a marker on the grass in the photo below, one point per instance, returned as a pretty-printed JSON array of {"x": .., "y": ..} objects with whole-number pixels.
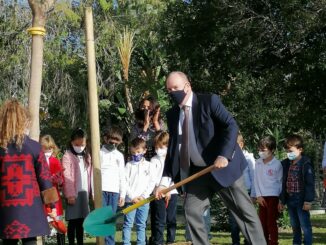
[{"x": 285, "y": 236}]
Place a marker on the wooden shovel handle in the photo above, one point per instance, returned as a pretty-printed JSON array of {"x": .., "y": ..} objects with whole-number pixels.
[{"x": 189, "y": 179}]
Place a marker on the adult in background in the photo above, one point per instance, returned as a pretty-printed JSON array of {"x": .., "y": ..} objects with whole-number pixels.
[
  {"x": 148, "y": 123},
  {"x": 212, "y": 139},
  {"x": 24, "y": 179}
]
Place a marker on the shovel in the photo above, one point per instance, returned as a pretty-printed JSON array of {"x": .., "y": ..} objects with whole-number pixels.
[{"x": 101, "y": 221}]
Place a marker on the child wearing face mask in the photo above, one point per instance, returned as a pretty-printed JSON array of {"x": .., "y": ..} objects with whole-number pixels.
[
  {"x": 51, "y": 150},
  {"x": 140, "y": 183},
  {"x": 113, "y": 176},
  {"x": 163, "y": 211},
  {"x": 77, "y": 187},
  {"x": 298, "y": 189},
  {"x": 268, "y": 185}
]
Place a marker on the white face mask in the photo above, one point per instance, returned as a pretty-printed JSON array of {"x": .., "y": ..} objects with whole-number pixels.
[
  {"x": 161, "y": 152},
  {"x": 263, "y": 154},
  {"x": 48, "y": 154},
  {"x": 78, "y": 149}
]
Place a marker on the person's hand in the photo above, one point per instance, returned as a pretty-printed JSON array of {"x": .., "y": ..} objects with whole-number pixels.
[
  {"x": 71, "y": 200},
  {"x": 156, "y": 117},
  {"x": 137, "y": 199},
  {"x": 146, "y": 122},
  {"x": 158, "y": 192},
  {"x": 167, "y": 196},
  {"x": 253, "y": 199},
  {"x": 121, "y": 202},
  {"x": 306, "y": 206},
  {"x": 57, "y": 178},
  {"x": 221, "y": 162},
  {"x": 280, "y": 207},
  {"x": 53, "y": 213},
  {"x": 261, "y": 201}
]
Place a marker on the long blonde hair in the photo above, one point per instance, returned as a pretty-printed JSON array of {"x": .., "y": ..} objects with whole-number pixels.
[
  {"x": 14, "y": 119},
  {"x": 47, "y": 142}
]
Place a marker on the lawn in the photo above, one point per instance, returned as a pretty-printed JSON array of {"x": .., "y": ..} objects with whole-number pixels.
[{"x": 285, "y": 236}]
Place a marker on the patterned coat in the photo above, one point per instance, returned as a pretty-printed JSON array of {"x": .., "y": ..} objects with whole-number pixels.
[{"x": 24, "y": 174}]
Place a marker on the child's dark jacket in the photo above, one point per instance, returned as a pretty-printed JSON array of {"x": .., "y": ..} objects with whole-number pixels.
[{"x": 306, "y": 178}]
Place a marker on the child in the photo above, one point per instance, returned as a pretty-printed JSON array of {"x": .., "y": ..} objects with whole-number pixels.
[
  {"x": 77, "y": 187},
  {"x": 298, "y": 189},
  {"x": 113, "y": 176},
  {"x": 248, "y": 177},
  {"x": 24, "y": 179},
  {"x": 162, "y": 211},
  {"x": 50, "y": 150},
  {"x": 268, "y": 186},
  {"x": 140, "y": 184}
]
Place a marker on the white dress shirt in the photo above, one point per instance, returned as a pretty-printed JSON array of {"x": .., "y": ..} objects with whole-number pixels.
[
  {"x": 113, "y": 171},
  {"x": 158, "y": 166}
]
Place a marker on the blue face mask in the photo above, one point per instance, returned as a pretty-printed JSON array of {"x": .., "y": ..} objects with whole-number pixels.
[
  {"x": 137, "y": 158},
  {"x": 291, "y": 155}
]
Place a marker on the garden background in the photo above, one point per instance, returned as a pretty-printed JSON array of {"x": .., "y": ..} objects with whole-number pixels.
[{"x": 265, "y": 58}]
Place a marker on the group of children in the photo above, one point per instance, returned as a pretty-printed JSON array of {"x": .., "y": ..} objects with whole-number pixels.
[
  {"x": 127, "y": 184},
  {"x": 271, "y": 183},
  {"x": 74, "y": 178},
  {"x": 274, "y": 184},
  {"x": 122, "y": 185}
]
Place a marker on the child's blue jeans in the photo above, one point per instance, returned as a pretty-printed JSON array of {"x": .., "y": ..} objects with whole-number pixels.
[
  {"x": 139, "y": 216},
  {"x": 300, "y": 219},
  {"x": 110, "y": 199}
]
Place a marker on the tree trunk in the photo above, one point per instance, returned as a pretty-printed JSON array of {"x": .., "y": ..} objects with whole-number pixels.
[
  {"x": 128, "y": 98},
  {"x": 93, "y": 111},
  {"x": 39, "y": 9}
]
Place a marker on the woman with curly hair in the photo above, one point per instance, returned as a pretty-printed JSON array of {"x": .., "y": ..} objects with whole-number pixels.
[{"x": 24, "y": 179}]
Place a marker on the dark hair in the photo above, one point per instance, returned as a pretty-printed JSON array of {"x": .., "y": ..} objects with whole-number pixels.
[
  {"x": 293, "y": 140},
  {"x": 77, "y": 133},
  {"x": 138, "y": 143},
  {"x": 140, "y": 116},
  {"x": 154, "y": 105},
  {"x": 268, "y": 142},
  {"x": 152, "y": 100},
  {"x": 114, "y": 133}
]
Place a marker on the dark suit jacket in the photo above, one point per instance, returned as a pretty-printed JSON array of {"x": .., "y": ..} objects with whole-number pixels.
[{"x": 216, "y": 134}]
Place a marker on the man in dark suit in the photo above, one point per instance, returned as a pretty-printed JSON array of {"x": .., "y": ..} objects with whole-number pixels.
[{"x": 211, "y": 139}]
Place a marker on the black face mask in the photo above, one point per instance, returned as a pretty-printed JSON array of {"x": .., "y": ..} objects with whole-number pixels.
[
  {"x": 110, "y": 147},
  {"x": 178, "y": 96}
]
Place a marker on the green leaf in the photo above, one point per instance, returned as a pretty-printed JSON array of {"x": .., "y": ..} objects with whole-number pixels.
[{"x": 122, "y": 110}]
